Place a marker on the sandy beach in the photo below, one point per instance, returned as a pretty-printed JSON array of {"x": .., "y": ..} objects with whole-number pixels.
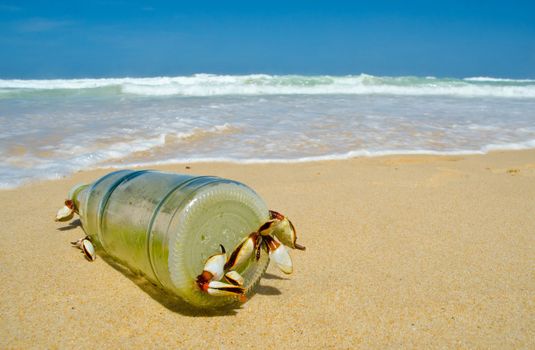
[{"x": 402, "y": 252}]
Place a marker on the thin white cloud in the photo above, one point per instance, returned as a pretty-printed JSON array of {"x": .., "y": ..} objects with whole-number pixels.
[{"x": 41, "y": 25}]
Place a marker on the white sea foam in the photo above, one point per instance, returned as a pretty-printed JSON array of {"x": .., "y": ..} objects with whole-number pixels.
[{"x": 328, "y": 157}]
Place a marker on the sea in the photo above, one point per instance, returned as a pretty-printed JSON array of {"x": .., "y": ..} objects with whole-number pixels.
[{"x": 52, "y": 128}]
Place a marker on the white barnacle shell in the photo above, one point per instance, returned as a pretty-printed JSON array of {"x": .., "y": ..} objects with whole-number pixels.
[
  {"x": 234, "y": 278},
  {"x": 88, "y": 249},
  {"x": 279, "y": 254},
  {"x": 64, "y": 214},
  {"x": 216, "y": 265},
  {"x": 217, "y": 288},
  {"x": 243, "y": 252},
  {"x": 282, "y": 259}
]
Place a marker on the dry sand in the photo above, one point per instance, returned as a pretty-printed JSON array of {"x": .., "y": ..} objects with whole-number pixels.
[{"x": 414, "y": 252}]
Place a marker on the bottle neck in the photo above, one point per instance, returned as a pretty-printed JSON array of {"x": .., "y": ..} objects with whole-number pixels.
[{"x": 75, "y": 195}]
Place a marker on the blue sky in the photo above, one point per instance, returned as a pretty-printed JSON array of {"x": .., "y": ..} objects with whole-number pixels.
[{"x": 63, "y": 39}]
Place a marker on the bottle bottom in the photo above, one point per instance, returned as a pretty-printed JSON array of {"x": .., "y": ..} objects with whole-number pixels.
[{"x": 222, "y": 213}]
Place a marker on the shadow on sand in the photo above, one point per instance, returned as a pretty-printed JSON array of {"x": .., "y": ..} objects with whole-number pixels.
[
  {"x": 270, "y": 276},
  {"x": 175, "y": 304},
  {"x": 169, "y": 301},
  {"x": 71, "y": 226}
]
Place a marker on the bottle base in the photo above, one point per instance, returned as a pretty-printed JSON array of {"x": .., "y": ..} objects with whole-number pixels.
[{"x": 221, "y": 213}]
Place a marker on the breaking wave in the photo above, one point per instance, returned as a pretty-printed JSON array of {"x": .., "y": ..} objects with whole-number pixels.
[{"x": 261, "y": 84}]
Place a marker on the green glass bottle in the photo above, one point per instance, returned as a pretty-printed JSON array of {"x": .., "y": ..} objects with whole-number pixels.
[{"x": 165, "y": 226}]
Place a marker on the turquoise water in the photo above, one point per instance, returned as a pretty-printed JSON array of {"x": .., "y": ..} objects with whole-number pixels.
[{"x": 51, "y": 128}]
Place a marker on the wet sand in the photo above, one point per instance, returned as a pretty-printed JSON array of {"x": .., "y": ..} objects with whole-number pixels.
[{"x": 403, "y": 251}]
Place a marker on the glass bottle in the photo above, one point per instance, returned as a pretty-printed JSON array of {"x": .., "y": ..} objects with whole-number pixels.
[{"x": 166, "y": 225}]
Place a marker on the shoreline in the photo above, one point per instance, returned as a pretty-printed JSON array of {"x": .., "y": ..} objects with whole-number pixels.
[
  {"x": 402, "y": 251},
  {"x": 274, "y": 162}
]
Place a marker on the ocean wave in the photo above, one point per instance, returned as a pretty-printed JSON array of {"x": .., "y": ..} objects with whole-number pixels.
[
  {"x": 261, "y": 84},
  {"x": 52, "y": 128},
  {"x": 499, "y": 80}
]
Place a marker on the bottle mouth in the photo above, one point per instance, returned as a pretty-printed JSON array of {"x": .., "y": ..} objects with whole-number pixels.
[
  {"x": 73, "y": 192},
  {"x": 219, "y": 213}
]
